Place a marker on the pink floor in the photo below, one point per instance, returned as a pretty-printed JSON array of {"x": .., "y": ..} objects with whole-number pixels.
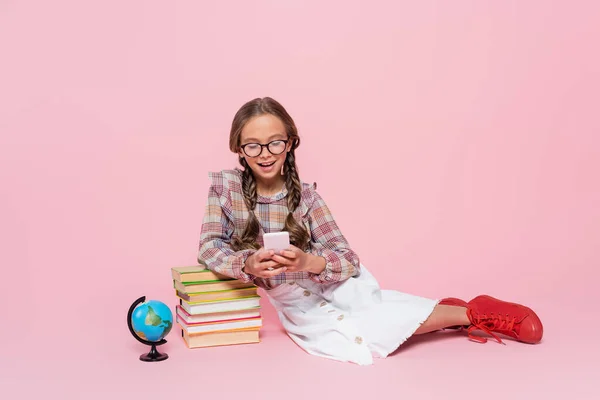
[{"x": 83, "y": 361}]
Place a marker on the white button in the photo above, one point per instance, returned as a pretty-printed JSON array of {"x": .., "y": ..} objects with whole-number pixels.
[{"x": 358, "y": 340}]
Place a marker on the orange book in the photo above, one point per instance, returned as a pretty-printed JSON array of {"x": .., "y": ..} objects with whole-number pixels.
[{"x": 227, "y": 338}]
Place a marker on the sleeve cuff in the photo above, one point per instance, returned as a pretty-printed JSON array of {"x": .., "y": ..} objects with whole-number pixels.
[
  {"x": 244, "y": 276},
  {"x": 332, "y": 270}
]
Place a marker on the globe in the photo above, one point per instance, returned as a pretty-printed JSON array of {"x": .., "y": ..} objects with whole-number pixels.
[{"x": 150, "y": 322}]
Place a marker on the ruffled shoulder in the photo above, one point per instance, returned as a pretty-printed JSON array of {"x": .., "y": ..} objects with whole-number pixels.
[
  {"x": 308, "y": 191},
  {"x": 308, "y": 197},
  {"x": 227, "y": 185},
  {"x": 225, "y": 180}
]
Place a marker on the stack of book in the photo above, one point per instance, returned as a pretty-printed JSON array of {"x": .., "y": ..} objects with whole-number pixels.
[{"x": 214, "y": 309}]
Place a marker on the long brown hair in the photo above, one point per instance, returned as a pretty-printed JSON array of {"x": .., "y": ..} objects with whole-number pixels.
[{"x": 299, "y": 237}]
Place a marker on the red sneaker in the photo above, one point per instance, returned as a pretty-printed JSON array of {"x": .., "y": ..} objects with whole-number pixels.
[{"x": 510, "y": 319}]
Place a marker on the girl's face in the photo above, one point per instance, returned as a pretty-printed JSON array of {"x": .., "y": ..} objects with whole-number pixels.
[{"x": 265, "y": 162}]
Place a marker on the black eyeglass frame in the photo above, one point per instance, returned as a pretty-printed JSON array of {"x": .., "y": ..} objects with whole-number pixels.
[{"x": 267, "y": 146}]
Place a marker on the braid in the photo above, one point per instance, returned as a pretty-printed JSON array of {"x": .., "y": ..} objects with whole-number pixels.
[
  {"x": 292, "y": 182},
  {"x": 299, "y": 237},
  {"x": 248, "y": 239},
  {"x": 248, "y": 187}
]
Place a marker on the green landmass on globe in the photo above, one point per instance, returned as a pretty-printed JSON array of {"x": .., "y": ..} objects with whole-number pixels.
[{"x": 147, "y": 319}]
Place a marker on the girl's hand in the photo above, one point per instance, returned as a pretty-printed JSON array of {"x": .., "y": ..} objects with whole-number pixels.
[
  {"x": 293, "y": 259},
  {"x": 260, "y": 264}
]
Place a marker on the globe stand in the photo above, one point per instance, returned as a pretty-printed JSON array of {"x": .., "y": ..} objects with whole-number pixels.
[{"x": 153, "y": 354}]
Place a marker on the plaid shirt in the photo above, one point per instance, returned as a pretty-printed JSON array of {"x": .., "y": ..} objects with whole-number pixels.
[{"x": 226, "y": 214}]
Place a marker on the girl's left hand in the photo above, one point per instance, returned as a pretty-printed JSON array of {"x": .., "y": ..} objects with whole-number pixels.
[{"x": 294, "y": 259}]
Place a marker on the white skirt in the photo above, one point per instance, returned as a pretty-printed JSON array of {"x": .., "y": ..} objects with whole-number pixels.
[{"x": 352, "y": 321}]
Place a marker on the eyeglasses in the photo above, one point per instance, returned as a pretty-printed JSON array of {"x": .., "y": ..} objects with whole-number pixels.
[{"x": 275, "y": 147}]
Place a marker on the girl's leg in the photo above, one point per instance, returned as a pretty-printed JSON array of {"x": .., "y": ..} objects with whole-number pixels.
[
  {"x": 487, "y": 314},
  {"x": 444, "y": 316}
]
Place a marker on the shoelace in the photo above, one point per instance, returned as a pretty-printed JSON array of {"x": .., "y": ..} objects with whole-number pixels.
[{"x": 489, "y": 324}]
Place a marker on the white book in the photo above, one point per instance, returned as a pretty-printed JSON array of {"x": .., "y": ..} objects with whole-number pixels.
[
  {"x": 221, "y": 306},
  {"x": 247, "y": 323},
  {"x": 219, "y": 316}
]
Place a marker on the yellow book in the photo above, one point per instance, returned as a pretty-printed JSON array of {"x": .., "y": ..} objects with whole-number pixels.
[
  {"x": 197, "y": 273},
  {"x": 218, "y": 295},
  {"x": 197, "y": 287}
]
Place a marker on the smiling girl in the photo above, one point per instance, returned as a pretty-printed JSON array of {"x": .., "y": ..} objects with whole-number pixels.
[{"x": 327, "y": 301}]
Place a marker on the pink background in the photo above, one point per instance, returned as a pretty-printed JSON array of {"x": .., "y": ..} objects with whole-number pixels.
[{"x": 455, "y": 142}]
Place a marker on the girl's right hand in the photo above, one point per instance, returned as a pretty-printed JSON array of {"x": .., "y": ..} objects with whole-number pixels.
[{"x": 259, "y": 263}]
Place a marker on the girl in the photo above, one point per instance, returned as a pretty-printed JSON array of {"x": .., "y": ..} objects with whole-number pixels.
[{"x": 327, "y": 301}]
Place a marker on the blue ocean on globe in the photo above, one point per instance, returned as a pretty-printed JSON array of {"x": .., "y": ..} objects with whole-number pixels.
[{"x": 152, "y": 320}]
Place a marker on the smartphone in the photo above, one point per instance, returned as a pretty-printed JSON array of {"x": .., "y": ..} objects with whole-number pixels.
[{"x": 276, "y": 241}]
